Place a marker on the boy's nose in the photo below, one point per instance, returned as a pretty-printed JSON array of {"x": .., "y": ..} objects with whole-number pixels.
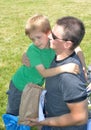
[{"x": 36, "y": 41}]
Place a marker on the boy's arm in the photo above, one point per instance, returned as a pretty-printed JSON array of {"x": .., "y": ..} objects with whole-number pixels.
[
  {"x": 70, "y": 67},
  {"x": 80, "y": 54}
]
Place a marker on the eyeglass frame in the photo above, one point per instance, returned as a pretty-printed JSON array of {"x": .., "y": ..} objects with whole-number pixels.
[{"x": 55, "y": 37}]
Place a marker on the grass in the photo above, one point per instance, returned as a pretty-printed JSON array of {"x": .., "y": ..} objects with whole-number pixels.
[{"x": 13, "y": 42}]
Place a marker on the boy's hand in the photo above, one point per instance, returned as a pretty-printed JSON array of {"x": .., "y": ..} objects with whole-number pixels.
[
  {"x": 25, "y": 60},
  {"x": 71, "y": 68}
]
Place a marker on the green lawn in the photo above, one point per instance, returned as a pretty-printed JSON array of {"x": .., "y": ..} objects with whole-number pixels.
[{"x": 13, "y": 42}]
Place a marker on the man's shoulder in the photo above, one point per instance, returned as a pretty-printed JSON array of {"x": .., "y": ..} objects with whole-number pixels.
[{"x": 73, "y": 58}]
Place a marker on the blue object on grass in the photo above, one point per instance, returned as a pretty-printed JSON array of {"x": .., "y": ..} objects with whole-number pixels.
[{"x": 11, "y": 123}]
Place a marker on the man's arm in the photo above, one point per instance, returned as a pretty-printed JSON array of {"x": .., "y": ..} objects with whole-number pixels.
[
  {"x": 80, "y": 54},
  {"x": 78, "y": 115}
]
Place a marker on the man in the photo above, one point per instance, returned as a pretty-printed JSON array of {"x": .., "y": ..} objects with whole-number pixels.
[{"x": 66, "y": 99}]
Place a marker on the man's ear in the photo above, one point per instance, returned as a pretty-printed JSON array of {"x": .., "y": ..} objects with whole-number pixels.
[{"x": 68, "y": 44}]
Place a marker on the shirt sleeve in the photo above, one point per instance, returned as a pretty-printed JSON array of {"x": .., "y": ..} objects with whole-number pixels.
[{"x": 73, "y": 88}]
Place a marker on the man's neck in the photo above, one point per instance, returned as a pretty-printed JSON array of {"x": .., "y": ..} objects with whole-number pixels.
[{"x": 62, "y": 56}]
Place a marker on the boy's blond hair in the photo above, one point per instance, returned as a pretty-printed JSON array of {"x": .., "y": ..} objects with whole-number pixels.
[{"x": 37, "y": 22}]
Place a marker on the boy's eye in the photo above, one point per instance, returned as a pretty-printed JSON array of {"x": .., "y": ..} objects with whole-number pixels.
[
  {"x": 32, "y": 39},
  {"x": 38, "y": 37}
]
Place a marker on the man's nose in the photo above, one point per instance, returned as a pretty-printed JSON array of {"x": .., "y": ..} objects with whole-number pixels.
[{"x": 50, "y": 36}]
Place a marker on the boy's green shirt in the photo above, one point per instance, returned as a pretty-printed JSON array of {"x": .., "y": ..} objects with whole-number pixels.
[{"x": 25, "y": 75}]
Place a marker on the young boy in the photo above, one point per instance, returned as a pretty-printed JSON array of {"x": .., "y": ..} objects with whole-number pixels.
[{"x": 40, "y": 56}]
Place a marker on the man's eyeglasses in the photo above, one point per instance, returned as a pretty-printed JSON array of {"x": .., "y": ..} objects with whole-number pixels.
[{"x": 55, "y": 37}]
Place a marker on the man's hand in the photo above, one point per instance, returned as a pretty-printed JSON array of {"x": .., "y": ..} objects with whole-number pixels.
[
  {"x": 88, "y": 89},
  {"x": 32, "y": 122},
  {"x": 25, "y": 60}
]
